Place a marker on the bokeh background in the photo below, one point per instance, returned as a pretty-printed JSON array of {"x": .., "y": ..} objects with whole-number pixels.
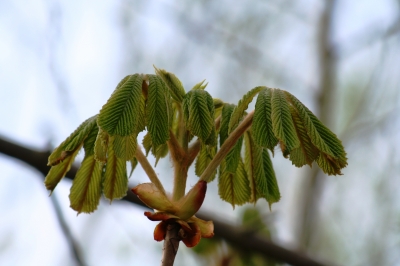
[{"x": 61, "y": 60}]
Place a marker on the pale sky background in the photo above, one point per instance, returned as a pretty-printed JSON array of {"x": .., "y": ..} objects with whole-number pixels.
[{"x": 61, "y": 60}]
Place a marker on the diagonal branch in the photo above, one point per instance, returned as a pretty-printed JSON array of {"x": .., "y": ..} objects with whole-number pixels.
[{"x": 236, "y": 236}]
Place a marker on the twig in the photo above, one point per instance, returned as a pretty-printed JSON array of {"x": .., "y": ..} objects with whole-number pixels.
[
  {"x": 148, "y": 169},
  {"x": 171, "y": 245},
  {"x": 67, "y": 233}
]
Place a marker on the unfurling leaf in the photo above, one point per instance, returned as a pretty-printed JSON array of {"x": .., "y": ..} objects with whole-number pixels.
[
  {"x": 134, "y": 163},
  {"x": 58, "y": 171},
  {"x": 158, "y": 111},
  {"x": 173, "y": 83},
  {"x": 101, "y": 146},
  {"x": 147, "y": 143},
  {"x": 254, "y": 167},
  {"x": 233, "y": 157},
  {"x": 72, "y": 143},
  {"x": 273, "y": 189},
  {"x": 86, "y": 188},
  {"x": 125, "y": 146},
  {"x": 258, "y": 165},
  {"x": 225, "y": 118},
  {"x": 240, "y": 109},
  {"x": 332, "y": 156},
  {"x": 206, "y": 154},
  {"x": 234, "y": 187},
  {"x": 115, "y": 177},
  {"x": 307, "y": 152},
  {"x": 262, "y": 122},
  {"x": 199, "y": 114},
  {"x": 160, "y": 152},
  {"x": 200, "y": 85},
  {"x": 121, "y": 114},
  {"x": 282, "y": 123}
]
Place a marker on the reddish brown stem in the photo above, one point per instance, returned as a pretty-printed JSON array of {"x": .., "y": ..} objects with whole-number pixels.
[{"x": 171, "y": 245}]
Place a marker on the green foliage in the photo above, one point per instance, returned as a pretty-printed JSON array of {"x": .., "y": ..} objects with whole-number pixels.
[
  {"x": 57, "y": 172},
  {"x": 225, "y": 118},
  {"x": 233, "y": 157},
  {"x": 204, "y": 158},
  {"x": 198, "y": 114},
  {"x": 124, "y": 146},
  {"x": 115, "y": 177},
  {"x": 332, "y": 155},
  {"x": 262, "y": 121},
  {"x": 158, "y": 111},
  {"x": 240, "y": 109},
  {"x": 86, "y": 189},
  {"x": 159, "y": 152},
  {"x": 234, "y": 187},
  {"x": 282, "y": 123},
  {"x": 160, "y": 104},
  {"x": 173, "y": 83},
  {"x": 73, "y": 142},
  {"x": 259, "y": 169},
  {"x": 119, "y": 116}
]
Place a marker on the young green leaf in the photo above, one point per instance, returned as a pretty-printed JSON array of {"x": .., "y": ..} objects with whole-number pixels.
[
  {"x": 173, "y": 83},
  {"x": 158, "y": 111},
  {"x": 225, "y": 118},
  {"x": 206, "y": 154},
  {"x": 101, "y": 146},
  {"x": 73, "y": 142},
  {"x": 218, "y": 103},
  {"x": 125, "y": 146},
  {"x": 234, "y": 187},
  {"x": 262, "y": 121},
  {"x": 121, "y": 114},
  {"x": 328, "y": 164},
  {"x": 115, "y": 180},
  {"x": 334, "y": 158},
  {"x": 240, "y": 109},
  {"x": 89, "y": 142},
  {"x": 160, "y": 152},
  {"x": 200, "y": 85},
  {"x": 147, "y": 143},
  {"x": 134, "y": 163},
  {"x": 212, "y": 138},
  {"x": 307, "y": 152},
  {"x": 86, "y": 188},
  {"x": 272, "y": 184},
  {"x": 198, "y": 116},
  {"x": 282, "y": 123},
  {"x": 254, "y": 166},
  {"x": 58, "y": 171},
  {"x": 233, "y": 157}
]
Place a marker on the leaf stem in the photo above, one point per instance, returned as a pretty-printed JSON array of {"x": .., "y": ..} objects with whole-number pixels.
[
  {"x": 227, "y": 146},
  {"x": 142, "y": 159}
]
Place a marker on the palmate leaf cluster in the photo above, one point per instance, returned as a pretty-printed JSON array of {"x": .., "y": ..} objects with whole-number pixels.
[
  {"x": 109, "y": 140},
  {"x": 159, "y": 104}
]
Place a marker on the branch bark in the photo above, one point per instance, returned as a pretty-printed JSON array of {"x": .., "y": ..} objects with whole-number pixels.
[
  {"x": 236, "y": 236},
  {"x": 171, "y": 245}
]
